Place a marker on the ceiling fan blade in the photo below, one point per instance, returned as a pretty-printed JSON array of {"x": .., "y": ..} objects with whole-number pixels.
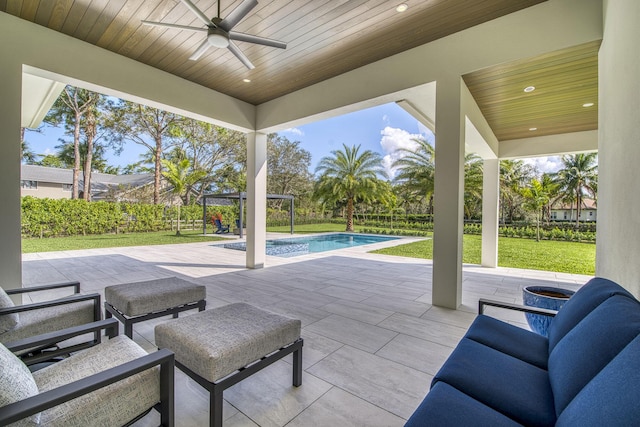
[
  {"x": 241, "y": 56},
  {"x": 257, "y": 40},
  {"x": 197, "y": 11},
  {"x": 238, "y": 13},
  {"x": 200, "y": 50},
  {"x": 179, "y": 27}
]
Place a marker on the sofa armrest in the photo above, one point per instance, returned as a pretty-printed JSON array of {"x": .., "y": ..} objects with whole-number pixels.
[
  {"x": 62, "y": 301},
  {"x": 74, "y": 284},
  {"x": 32, "y": 405},
  {"x": 518, "y": 307}
]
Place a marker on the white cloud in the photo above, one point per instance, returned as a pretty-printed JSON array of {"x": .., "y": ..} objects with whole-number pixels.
[
  {"x": 385, "y": 119},
  {"x": 392, "y": 140},
  {"x": 545, "y": 164},
  {"x": 294, "y": 131}
]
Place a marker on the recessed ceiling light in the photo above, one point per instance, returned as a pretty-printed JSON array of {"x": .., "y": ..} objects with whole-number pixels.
[
  {"x": 246, "y": 80},
  {"x": 588, "y": 104},
  {"x": 529, "y": 89},
  {"x": 402, "y": 7},
  {"x": 532, "y": 129}
]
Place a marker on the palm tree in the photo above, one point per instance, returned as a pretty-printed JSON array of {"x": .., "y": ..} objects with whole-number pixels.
[
  {"x": 537, "y": 197},
  {"x": 473, "y": 175},
  {"x": 181, "y": 176},
  {"x": 577, "y": 178},
  {"x": 349, "y": 176},
  {"x": 514, "y": 175},
  {"x": 416, "y": 171}
]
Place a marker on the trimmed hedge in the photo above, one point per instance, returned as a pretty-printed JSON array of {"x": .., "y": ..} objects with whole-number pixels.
[{"x": 64, "y": 217}]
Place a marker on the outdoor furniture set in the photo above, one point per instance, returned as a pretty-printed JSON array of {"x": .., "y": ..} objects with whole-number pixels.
[
  {"x": 217, "y": 348},
  {"x": 586, "y": 373}
]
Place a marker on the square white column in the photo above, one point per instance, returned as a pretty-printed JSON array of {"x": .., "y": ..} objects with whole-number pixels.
[
  {"x": 490, "y": 207},
  {"x": 10, "y": 112},
  {"x": 448, "y": 194},
  {"x": 256, "y": 199}
]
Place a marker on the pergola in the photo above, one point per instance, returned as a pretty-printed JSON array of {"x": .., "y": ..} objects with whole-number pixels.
[{"x": 241, "y": 197}]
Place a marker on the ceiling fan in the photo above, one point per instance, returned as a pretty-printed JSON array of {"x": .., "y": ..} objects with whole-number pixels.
[{"x": 219, "y": 31}]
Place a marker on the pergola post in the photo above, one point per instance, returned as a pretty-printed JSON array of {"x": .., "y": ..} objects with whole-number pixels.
[{"x": 291, "y": 213}]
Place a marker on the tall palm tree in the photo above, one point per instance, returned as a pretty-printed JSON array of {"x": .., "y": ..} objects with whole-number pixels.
[
  {"x": 577, "y": 178},
  {"x": 350, "y": 176},
  {"x": 537, "y": 197},
  {"x": 473, "y": 175},
  {"x": 514, "y": 175},
  {"x": 416, "y": 170}
]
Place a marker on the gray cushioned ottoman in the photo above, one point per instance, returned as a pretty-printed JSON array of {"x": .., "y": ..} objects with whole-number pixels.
[
  {"x": 217, "y": 347},
  {"x": 135, "y": 302}
]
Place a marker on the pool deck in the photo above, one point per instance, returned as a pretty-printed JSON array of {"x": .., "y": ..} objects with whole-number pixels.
[{"x": 373, "y": 341}]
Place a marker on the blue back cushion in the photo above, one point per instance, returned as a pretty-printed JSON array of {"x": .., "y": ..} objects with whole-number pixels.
[
  {"x": 612, "y": 397},
  {"x": 590, "y": 346},
  {"x": 591, "y": 295}
]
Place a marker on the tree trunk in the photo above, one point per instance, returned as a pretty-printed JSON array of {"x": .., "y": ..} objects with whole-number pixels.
[
  {"x": 91, "y": 134},
  {"x": 157, "y": 171},
  {"x": 178, "y": 229},
  {"x": 349, "y": 215},
  {"x": 76, "y": 156}
]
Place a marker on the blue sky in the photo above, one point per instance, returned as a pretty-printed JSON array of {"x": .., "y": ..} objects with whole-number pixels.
[{"x": 382, "y": 129}]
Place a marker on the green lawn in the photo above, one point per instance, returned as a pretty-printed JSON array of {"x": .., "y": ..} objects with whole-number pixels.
[
  {"x": 565, "y": 257},
  {"x": 112, "y": 241}
]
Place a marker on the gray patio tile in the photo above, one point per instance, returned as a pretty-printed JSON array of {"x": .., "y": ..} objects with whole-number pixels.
[
  {"x": 251, "y": 297},
  {"x": 307, "y": 299},
  {"x": 344, "y": 293},
  {"x": 396, "y": 292},
  {"x": 425, "y": 329},
  {"x": 269, "y": 399},
  {"x": 306, "y": 283},
  {"x": 316, "y": 347},
  {"x": 339, "y": 408},
  {"x": 458, "y": 318},
  {"x": 305, "y": 314},
  {"x": 411, "y": 308},
  {"x": 352, "y": 332},
  {"x": 425, "y": 356},
  {"x": 384, "y": 383},
  {"x": 357, "y": 311}
]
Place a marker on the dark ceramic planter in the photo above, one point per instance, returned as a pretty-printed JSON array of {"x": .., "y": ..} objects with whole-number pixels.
[{"x": 543, "y": 297}]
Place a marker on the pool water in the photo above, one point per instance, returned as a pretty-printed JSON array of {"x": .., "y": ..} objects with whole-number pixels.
[{"x": 304, "y": 245}]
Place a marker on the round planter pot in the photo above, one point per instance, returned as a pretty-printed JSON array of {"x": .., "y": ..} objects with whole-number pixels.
[{"x": 543, "y": 297}]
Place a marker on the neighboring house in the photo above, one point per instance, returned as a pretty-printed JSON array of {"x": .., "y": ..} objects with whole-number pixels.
[
  {"x": 568, "y": 212},
  {"x": 55, "y": 183}
]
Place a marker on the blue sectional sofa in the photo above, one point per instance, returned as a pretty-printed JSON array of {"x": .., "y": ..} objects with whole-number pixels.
[{"x": 587, "y": 373}]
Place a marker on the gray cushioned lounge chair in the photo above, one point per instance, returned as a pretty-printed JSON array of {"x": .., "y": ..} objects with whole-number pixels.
[
  {"x": 114, "y": 383},
  {"x": 23, "y": 321}
]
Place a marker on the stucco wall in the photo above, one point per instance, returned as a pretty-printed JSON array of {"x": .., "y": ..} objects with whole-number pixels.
[{"x": 618, "y": 235}]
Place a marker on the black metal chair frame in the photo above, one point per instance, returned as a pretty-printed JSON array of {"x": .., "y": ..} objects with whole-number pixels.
[
  {"x": 35, "y": 354},
  {"x": 482, "y": 303},
  {"x": 128, "y": 322},
  {"x": 221, "y": 228},
  {"x": 216, "y": 389},
  {"x": 32, "y": 405}
]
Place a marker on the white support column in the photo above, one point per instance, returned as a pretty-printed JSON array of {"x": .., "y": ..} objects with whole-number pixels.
[
  {"x": 448, "y": 194},
  {"x": 490, "y": 206},
  {"x": 256, "y": 199},
  {"x": 618, "y": 235},
  {"x": 10, "y": 108}
]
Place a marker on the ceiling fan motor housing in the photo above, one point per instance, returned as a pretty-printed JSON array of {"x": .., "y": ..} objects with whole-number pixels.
[{"x": 218, "y": 37}]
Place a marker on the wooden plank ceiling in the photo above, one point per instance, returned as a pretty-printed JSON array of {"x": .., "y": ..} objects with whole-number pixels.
[
  {"x": 325, "y": 37},
  {"x": 566, "y": 83}
]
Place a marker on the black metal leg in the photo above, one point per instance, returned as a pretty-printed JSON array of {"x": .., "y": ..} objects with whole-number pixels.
[
  {"x": 215, "y": 408},
  {"x": 175, "y": 315},
  {"x": 128, "y": 329},
  {"x": 297, "y": 368},
  {"x": 167, "y": 387}
]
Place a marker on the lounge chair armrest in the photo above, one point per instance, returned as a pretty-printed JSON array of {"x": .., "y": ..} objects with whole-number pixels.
[
  {"x": 74, "y": 284},
  {"x": 48, "y": 399},
  {"x": 62, "y": 301},
  {"x": 518, "y": 307},
  {"x": 109, "y": 325}
]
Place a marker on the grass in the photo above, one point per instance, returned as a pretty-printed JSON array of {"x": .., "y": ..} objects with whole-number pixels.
[
  {"x": 113, "y": 241},
  {"x": 546, "y": 255}
]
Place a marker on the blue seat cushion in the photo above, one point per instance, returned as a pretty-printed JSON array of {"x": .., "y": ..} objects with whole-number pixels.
[
  {"x": 592, "y": 294},
  {"x": 590, "y": 346},
  {"x": 517, "y": 389},
  {"x": 446, "y": 406},
  {"x": 612, "y": 397},
  {"x": 517, "y": 342}
]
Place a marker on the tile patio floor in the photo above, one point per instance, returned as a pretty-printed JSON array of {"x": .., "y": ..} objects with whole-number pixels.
[{"x": 373, "y": 340}]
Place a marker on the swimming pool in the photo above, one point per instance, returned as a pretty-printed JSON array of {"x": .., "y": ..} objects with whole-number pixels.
[{"x": 295, "y": 246}]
